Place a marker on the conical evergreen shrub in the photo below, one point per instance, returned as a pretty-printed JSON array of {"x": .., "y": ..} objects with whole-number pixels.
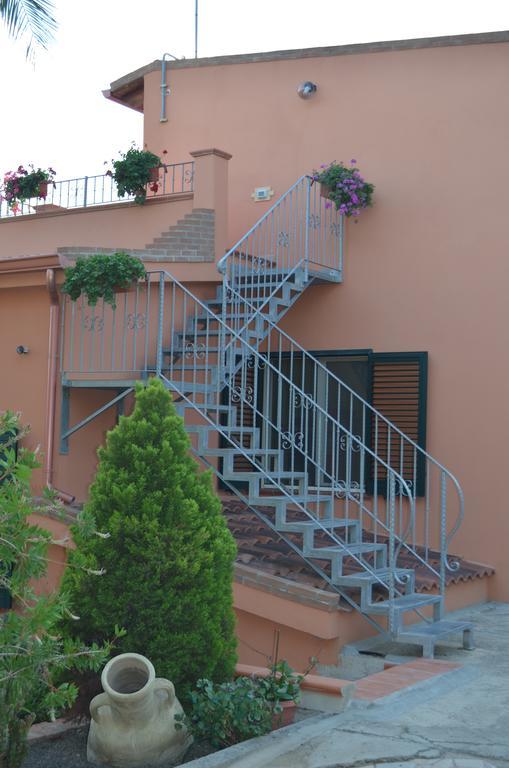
[{"x": 169, "y": 554}]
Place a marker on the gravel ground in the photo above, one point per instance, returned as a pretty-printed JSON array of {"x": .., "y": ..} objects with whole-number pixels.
[{"x": 70, "y": 751}]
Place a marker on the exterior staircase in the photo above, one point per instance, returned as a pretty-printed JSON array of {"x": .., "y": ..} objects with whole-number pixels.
[{"x": 343, "y": 486}]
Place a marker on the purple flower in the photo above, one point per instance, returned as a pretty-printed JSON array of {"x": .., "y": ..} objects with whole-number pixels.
[{"x": 353, "y": 161}]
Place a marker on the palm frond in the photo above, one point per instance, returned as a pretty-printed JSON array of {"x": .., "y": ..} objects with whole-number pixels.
[{"x": 33, "y": 18}]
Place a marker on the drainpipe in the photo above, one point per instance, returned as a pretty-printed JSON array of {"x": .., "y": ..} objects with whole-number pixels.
[
  {"x": 165, "y": 91},
  {"x": 51, "y": 383},
  {"x": 52, "y": 372}
]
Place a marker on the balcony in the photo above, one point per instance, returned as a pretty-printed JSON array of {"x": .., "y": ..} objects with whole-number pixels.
[
  {"x": 90, "y": 191},
  {"x": 87, "y": 213}
]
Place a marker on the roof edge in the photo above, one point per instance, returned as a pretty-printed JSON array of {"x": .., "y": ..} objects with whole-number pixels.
[{"x": 478, "y": 38}]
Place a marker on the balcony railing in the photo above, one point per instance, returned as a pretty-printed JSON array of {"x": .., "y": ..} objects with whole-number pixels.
[{"x": 88, "y": 191}]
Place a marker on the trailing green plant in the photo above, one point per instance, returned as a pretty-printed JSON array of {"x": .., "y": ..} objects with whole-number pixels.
[
  {"x": 101, "y": 275},
  {"x": 32, "y": 652},
  {"x": 169, "y": 559},
  {"x": 228, "y": 713},
  {"x": 131, "y": 172},
  {"x": 347, "y": 189},
  {"x": 22, "y": 185}
]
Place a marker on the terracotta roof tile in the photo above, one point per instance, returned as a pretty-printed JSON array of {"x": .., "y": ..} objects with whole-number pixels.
[{"x": 261, "y": 547}]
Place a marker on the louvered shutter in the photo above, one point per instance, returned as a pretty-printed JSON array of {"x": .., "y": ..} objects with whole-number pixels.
[{"x": 399, "y": 391}]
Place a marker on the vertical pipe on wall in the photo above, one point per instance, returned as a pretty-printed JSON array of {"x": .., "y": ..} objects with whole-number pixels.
[
  {"x": 52, "y": 373},
  {"x": 165, "y": 91}
]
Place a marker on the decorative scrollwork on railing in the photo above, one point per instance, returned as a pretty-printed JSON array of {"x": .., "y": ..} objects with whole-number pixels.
[
  {"x": 93, "y": 323},
  {"x": 251, "y": 362},
  {"x": 346, "y": 440},
  {"x": 343, "y": 490},
  {"x": 242, "y": 393},
  {"x": 289, "y": 440},
  {"x": 136, "y": 322},
  {"x": 189, "y": 177},
  {"x": 314, "y": 221},
  {"x": 301, "y": 400},
  {"x": 194, "y": 349},
  {"x": 283, "y": 239},
  {"x": 335, "y": 228}
]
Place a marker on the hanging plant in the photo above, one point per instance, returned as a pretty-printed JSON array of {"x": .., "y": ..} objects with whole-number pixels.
[
  {"x": 101, "y": 276},
  {"x": 345, "y": 187},
  {"x": 21, "y": 185},
  {"x": 133, "y": 171}
]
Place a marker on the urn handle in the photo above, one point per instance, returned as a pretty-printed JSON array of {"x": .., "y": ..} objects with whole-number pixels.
[
  {"x": 101, "y": 700},
  {"x": 160, "y": 684}
]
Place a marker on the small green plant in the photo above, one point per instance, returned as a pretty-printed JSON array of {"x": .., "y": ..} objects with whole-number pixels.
[
  {"x": 227, "y": 713},
  {"x": 100, "y": 275},
  {"x": 22, "y": 185},
  {"x": 132, "y": 172},
  {"x": 349, "y": 192},
  {"x": 283, "y": 684},
  {"x": 33, "y": 655}
]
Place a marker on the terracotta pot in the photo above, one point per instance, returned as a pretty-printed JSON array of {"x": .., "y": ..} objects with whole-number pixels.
[
  {"x": 286, "y": 717},
  {"x": 154, "y": 174},
  {"x": 43, "y": 189},
  {"x": 325, "y": 190},
  {"x": 133, "y": 720}
]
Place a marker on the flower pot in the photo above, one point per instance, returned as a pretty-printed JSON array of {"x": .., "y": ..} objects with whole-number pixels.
[
  {"x": 286, "y": 717},
  {"x": 325, "y": 190},
  {"x": 154, "y": 174},
  {"x": 133, "y": 720},
  {"x": 43, "y": 189}
]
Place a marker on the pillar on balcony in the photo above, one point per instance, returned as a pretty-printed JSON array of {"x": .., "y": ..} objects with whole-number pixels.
[{"x": 211, "y": 191}]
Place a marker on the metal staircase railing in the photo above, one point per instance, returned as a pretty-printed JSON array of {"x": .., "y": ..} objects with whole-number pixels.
[{"x": 359, "y": 500}]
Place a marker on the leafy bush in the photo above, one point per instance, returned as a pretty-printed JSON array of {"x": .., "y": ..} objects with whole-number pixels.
[
  {"x": 32, "y": 653},
  {"x": 349, "y": 192},
  {"x": 169, "y": 558},
  {"x": 100, "y": 275},
  {"x": 228, "y": 713},
  {"x": 283, "y": 684},
  {"x": 132, "y": 172}
]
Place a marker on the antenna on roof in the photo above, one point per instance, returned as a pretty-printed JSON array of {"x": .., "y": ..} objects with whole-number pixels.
[{"x": 195, "y": 29}]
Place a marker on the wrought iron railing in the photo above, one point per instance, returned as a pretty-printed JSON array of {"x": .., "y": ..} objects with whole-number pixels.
[
  {"x": 88, "y": 191},
  {"x": 228, "y": 356}
]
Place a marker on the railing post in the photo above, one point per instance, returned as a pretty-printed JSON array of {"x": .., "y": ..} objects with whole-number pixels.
[
  {"x": 85, "y": 192},
  {"x": 392, "y": 542},
  {"x": 306, "y": 232},
  {"x": 443, "y": 530},
  {"x": 160, "y": 319}
]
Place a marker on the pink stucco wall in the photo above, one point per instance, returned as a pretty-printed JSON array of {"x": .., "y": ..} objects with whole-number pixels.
[{"x": 426, "y": 268}]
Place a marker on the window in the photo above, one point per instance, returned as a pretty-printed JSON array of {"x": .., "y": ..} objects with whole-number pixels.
[{"x": 393, "y": 383}]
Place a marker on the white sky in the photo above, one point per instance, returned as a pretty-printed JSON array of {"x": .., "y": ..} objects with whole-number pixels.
[{"x": 55, "y": 114}]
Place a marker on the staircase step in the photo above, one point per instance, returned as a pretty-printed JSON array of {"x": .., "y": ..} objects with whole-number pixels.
[
  {"x": 245, "y": 451},
  {"x": 299, "y": 526},
  {"x": 437, "y": 629},
  {"x": 329, "y": 553},
  {"x": 270, "y": 501},
  {"x": 364, "y": 578},
  {"x": 405, "y": 603}
]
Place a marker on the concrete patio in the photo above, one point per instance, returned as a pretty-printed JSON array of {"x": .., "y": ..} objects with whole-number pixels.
[{"x": 457, "y": 720}]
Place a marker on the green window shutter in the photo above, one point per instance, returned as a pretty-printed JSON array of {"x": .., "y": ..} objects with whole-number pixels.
[{"x": 399, "y": 383}]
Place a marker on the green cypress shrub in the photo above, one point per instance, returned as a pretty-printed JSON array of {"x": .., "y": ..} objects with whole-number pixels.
[{"x": 169, "y": 554}]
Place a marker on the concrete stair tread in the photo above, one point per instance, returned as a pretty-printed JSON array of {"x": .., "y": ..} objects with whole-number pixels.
[{"x": 441, "y": 628}]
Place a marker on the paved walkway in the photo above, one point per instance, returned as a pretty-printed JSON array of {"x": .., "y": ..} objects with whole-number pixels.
[{"x": 458, "y": 720}]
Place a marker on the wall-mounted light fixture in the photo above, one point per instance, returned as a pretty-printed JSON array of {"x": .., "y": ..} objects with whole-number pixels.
[
  {"x": 21, "y": 350},
  {"x": 307, "y": 89}
]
